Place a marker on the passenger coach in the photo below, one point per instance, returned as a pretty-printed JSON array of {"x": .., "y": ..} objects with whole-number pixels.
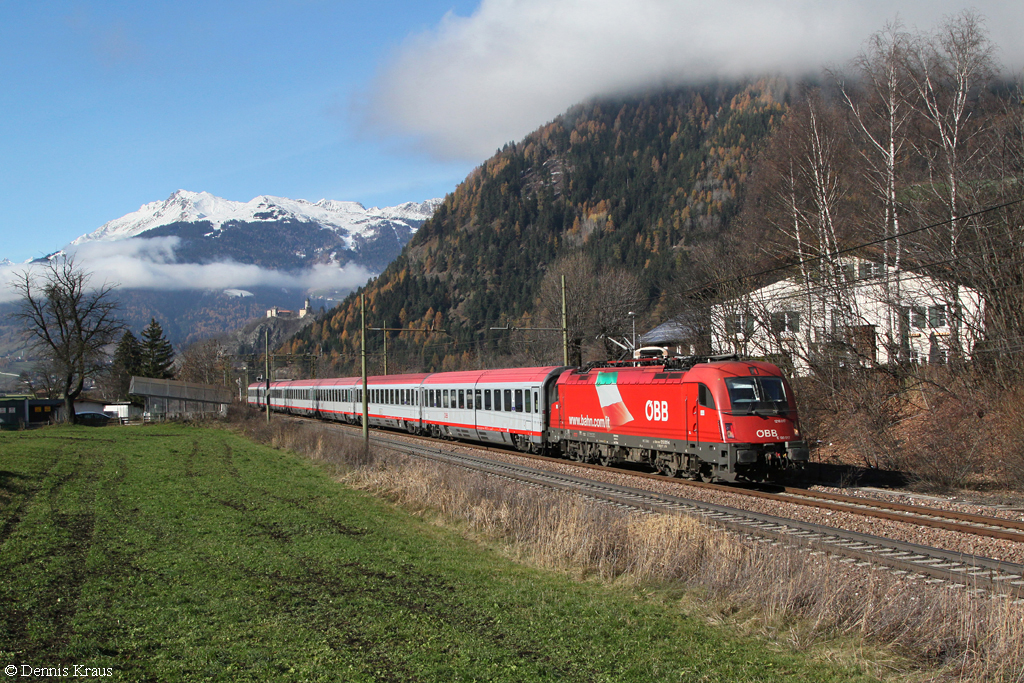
[{"x": 492, "y": 406}]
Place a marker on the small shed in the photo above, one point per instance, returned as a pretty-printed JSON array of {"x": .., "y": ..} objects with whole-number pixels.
[
  {"x": 168, "y": 398},
  {"x": 19, "y": 411}
]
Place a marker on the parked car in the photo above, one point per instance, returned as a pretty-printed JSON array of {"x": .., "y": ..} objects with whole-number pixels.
[{"x": 92, "y": 419}]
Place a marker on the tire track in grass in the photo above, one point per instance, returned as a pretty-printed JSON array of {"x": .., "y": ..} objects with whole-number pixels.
[
  {"x": 24, "y": 494},
  {"x": 60, "y": 559},
  {"x": 407, "y": 589},
  {"x": 190, "y": 460}
]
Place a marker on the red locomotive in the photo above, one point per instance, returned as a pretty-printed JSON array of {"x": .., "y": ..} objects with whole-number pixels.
[{"x": 714, "y": 418}]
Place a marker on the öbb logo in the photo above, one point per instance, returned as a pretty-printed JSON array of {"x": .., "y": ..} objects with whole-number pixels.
[
  {"x": 656, "y": 411},
  {"x": 767, "y": 433}
]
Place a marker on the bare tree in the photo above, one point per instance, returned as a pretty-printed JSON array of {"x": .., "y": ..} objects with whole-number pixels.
[
  {"x": 950, "y": 72},
  {"x": 597, "y": 303},
  {"x": 203, "y": 362},
  {"x": 68, "y": 322},
  {"x": 881, "y": 105}
]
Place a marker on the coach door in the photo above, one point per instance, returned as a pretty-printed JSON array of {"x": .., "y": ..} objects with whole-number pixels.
[
  {"x": 708, "y": 430},
  {"x": 690, "y": 411}
]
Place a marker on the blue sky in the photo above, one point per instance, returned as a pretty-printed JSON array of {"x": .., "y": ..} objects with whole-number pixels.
[{"x": 109, "y": 105}]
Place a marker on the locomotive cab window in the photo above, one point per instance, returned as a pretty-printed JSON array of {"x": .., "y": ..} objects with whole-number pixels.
[{"x": 755, "y": 394}]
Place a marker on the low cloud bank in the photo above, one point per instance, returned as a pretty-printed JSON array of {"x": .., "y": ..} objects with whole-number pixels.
[
  {"x": 473, "y": 83},
  {"x": 149, "y": 264}
]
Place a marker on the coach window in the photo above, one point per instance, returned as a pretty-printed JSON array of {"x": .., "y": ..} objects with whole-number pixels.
[
  {"x": 469, "y": 399},
  {"x": 704, "y": 396},
  {"x": 444, "y": 398},
  {"x": 462, "y": 399},
  {"x": 487, "y": 399},
  {"x": 528, "y": 409},
  {"x": 479, "y": 405},
  {"x": 519, "y": 401},
  {"x": 508, "y": 400}
]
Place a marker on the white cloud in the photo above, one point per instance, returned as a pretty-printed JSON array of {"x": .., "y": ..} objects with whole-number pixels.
[
  {"x": 149, "y": 264},
  {"x": 474, "y": 83}
]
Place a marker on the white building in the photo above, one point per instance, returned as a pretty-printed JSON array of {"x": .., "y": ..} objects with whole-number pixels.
[{"x": 856, "y": 314}]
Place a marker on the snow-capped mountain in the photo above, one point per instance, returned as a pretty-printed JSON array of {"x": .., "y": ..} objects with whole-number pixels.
[
  {"x": 203, "y": 265},
  {"x": 348, "y": 219}
]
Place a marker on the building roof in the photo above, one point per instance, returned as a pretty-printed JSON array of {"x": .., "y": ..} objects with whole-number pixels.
[{"x": 185, "y": 391}]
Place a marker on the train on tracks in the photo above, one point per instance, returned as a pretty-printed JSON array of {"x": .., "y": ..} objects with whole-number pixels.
[{"x": 713, "y": 418}]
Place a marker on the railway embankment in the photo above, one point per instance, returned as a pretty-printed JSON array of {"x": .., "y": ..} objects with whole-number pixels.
[{"x": 818, "y": 603}]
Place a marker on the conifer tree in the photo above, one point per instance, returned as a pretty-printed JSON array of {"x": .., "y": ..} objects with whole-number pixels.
[
  {"x": 157, "y": 354},
  {"x": 127, "y": 362}
]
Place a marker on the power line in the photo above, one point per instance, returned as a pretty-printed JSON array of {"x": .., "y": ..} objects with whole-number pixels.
[{"x": 848, "y": 250}]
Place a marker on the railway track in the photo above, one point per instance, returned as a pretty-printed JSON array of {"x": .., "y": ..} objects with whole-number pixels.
[
  {"x": 969, "y": 571},
  {"x": 973, "y": 572}
]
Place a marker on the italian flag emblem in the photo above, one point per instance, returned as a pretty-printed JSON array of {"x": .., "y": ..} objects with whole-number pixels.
[{"x": 611, "y": 400}]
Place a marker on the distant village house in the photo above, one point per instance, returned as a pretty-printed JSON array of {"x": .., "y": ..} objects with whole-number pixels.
[{"x": 860, "y": 313}]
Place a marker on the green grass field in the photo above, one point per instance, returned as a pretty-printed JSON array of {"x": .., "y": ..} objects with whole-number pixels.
[{"x": 182, "y": 554}]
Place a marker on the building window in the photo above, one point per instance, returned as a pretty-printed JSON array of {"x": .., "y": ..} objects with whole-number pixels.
[
  {"x": 737, "y": 323},
  {"x": 785, "y": 321},
  {"x": 869, "y": 270},
  {"x": 936, "y": 316}
]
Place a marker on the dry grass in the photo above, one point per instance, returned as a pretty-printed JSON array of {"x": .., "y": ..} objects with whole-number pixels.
[{"x": 808, "y": 601}]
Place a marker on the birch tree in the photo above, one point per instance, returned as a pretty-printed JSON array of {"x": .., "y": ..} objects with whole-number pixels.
[
  {"x": 880, "y": 103},
  {"x": 949, "y": 72}
]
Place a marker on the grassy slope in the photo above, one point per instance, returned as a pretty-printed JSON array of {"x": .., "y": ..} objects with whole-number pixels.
[{"x": 175, "y": 553}]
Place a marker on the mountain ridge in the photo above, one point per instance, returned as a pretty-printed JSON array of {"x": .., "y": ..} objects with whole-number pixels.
[{"x": 348, "y": 218}]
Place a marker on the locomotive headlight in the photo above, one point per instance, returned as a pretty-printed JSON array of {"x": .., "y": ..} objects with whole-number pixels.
[{"x": 728, "y": 431}]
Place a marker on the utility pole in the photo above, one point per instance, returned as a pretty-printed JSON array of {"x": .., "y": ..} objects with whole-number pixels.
[
  {"x": 362, "y": 344},
  {"x": 266, "y": 361},
  {"x": 565, "y": 328},
  {"x": 387, "y": 329},
  {"x": 632, "y": 317}
]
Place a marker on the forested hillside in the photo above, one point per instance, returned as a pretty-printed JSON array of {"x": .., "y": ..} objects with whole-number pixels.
[
  {"x": 628, "y": 184},
  {"x": 658, "y": 207}
]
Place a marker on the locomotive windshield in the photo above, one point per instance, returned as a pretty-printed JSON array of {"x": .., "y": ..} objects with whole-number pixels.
[{"x": 751, "y": 395}]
